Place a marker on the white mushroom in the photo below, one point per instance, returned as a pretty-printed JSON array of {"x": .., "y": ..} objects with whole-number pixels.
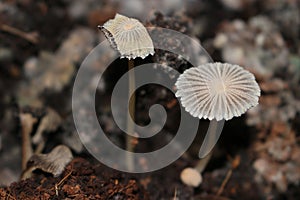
[
  {"x": 128, "y": 36},
  {"x": 191, "y": 177},
  {"x": 218, "y": 92},
  {"x": 53, "y": 162}
]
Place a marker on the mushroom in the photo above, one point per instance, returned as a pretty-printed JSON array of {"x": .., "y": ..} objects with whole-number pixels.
[
  {"x": 53, "y": 162},
  {"x": 191, "y": 177},
  {"x": 130, "y": 38},
  {"x": 49, "y": 123},
  {"x": 218, "y": 92}
]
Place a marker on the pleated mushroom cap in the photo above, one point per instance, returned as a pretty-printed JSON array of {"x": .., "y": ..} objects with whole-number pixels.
[
  {"x": 217, "y": 91},
  {"x": 128, "y": 36}
]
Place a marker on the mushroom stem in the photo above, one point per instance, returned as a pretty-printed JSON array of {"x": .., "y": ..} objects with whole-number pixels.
[
  {"x": 27, "y": 122},
  {"x": 211, "y": 137},
  {"x": 131, "y": 114},
  {"x": 202, "y": 163}
]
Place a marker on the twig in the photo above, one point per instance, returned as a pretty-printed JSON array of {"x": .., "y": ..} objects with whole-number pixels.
[
  {"x": 227, "y": 177},
  {"x": 175, "y": 194},
  {"x": 235, "y": 162},
  {"x": 9, "y": 196},
  {"x": 30, "y": 36},
  {"x": 130, "y": 184},
  {"x": 61, "y": 181}
]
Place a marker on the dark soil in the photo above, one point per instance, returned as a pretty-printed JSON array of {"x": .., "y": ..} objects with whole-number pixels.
[{"x": 81, "y": 180}]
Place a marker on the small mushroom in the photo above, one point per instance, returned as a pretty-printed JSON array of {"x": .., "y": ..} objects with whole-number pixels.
[
  {"x": 53, "y": 162},
  {"x": 191, "y": 177},
  {"x": 218, "y": 92},
  {"x": 49, "y": 123},
  {"x": 130, "y": 38}
]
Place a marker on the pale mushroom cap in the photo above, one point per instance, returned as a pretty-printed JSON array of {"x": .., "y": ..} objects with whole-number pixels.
[
  {"x": 191, "y": 177},
  {"x": 217, "y": 91},
  {"x": 128, "y": 36},
  {"x": 53, "y": 162}
]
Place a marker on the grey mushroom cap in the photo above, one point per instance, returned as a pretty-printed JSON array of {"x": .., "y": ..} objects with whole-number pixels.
[
  {"x": 217, "y": 91},
  {"x": 128, "y": 36}
]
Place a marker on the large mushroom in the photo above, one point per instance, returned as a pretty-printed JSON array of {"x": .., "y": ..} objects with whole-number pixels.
[
  {"x": 218, "y": 92},
  {"x": 130, "y": 38}
]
